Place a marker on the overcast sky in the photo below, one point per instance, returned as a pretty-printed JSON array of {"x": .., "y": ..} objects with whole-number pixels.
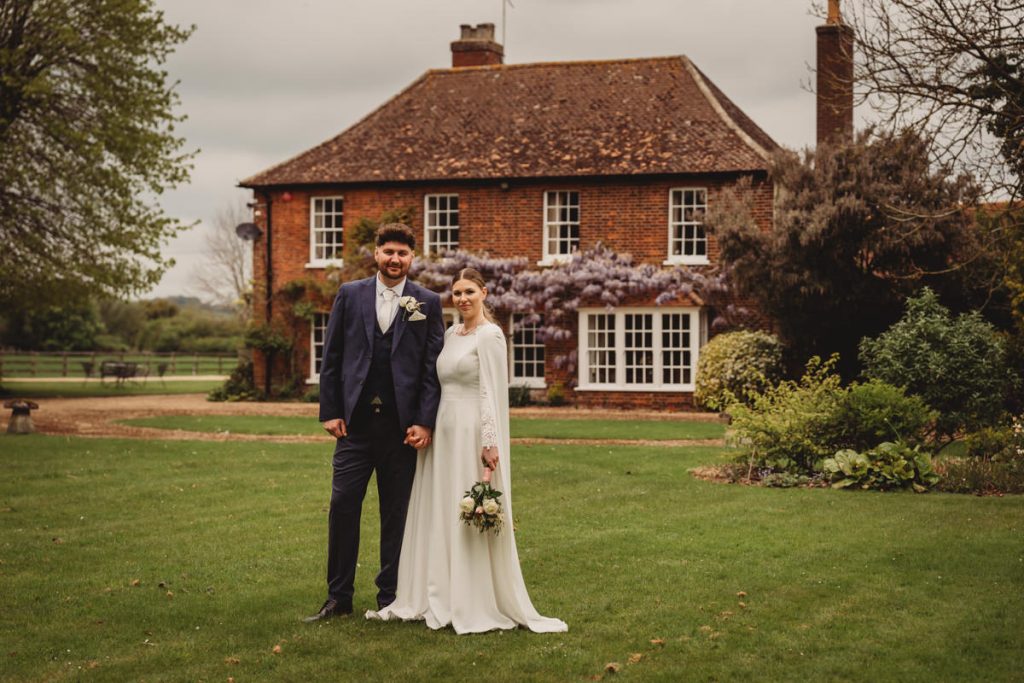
[{"x": 262, "y": 80}]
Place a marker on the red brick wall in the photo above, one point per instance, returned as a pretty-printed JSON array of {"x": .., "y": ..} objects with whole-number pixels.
[{"x": 627, "y": 215}]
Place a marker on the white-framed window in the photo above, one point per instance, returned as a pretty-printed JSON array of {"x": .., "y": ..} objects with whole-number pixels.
[
  {"x": 639, "y": 349},
  {"x": 325, "y": 230},
  {"x": 561, "y": 225},
  {"x": 526, "y": 353},
  {"x": 440, "y": 223},
  {"x": 687, "y": 240},
  {"x": 317, "y": 332}
]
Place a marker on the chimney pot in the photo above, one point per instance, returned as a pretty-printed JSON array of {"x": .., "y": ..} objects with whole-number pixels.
[{"x": 476, "y": 47}]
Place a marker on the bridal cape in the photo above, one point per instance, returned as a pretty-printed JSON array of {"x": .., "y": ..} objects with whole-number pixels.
[{"x": 450, "y": 573}]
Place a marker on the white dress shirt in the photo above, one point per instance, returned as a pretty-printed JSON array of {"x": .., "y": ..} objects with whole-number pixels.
[{"x": 379, "y": 302}]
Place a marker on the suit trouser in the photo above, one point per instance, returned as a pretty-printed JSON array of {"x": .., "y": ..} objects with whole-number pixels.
[{"x": 374, "y": 443}]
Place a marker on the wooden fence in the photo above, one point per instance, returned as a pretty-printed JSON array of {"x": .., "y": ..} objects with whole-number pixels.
[{"x": 14, "y": 364}]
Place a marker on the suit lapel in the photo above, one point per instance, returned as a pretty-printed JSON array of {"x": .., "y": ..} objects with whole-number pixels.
[{"x": 369, "y": 304}]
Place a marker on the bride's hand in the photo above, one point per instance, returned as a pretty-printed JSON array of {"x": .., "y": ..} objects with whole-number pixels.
[{"x": 489, "y": 457}]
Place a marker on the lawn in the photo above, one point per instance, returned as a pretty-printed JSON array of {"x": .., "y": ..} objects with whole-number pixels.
[
  {"x": 227, "y": 544},
  {"x": 521, "y": 427},
  {"x": 109, "y": 388}
]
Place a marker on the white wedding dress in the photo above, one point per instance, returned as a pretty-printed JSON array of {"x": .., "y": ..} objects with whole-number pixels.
[{"x": 450, "y": 573}]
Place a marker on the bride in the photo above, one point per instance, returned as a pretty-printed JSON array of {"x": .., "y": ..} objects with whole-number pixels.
[{"x": 450, "y": 573}]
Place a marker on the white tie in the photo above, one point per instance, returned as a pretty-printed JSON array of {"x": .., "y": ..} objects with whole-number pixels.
[{"x": 387, "y": 309}]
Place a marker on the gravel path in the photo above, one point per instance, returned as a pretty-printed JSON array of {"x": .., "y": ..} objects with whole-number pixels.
[{"x": 97, "y": 417}]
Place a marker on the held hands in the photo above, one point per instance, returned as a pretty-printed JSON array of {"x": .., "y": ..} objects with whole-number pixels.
[
  {"x": 336, "y": 428},
  {"x": 418, "y": 437}
]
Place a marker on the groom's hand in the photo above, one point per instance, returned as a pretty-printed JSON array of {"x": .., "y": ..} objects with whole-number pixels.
[
  {"x": 418, "y": 437},
  {"x": 336, "y": 428}
]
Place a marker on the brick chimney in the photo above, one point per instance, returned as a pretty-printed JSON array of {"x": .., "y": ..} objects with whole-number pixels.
[
  {"x": 476, "y": 47},
  {"x": 835, "y": 78}
]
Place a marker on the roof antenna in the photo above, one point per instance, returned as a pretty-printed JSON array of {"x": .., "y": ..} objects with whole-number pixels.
[{"x": 503, "y": 3}]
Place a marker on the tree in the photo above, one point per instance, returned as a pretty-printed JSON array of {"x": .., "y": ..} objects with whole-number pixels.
[
  {"x": 227, "y": 273},
  {"x": 86, "y": 143},
  {"x": 857, "y": 228},
  {"x": 953, "y": 69}
]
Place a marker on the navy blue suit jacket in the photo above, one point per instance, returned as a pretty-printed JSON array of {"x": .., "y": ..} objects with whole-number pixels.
[{"x": 348, "y": 346}]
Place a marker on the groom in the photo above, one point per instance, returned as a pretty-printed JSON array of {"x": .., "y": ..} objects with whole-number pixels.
[{"x": 378, "y": 397}]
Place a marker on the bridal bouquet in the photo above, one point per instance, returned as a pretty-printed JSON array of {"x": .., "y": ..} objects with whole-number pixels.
[{"x": 481, "y": 508}]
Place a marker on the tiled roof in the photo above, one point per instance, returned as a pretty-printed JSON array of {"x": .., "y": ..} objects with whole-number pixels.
[{"x": 626, "y": 117}]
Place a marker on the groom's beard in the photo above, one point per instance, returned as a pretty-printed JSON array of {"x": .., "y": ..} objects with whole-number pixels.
[{"x": 396, "y": 274}]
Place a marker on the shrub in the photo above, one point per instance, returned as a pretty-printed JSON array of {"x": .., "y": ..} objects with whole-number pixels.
[
  {"x": 239, "y": 386},
  {"x": 994, "y": 462},
  {"x": 735, "y": 365},
  {"x": 958, "y": 366},
  {"x": 793, "y": 427},
  {"x": 556, "y": 394},
  {"x": 873, "y": 412},
  {"x": 889, "y": 465},
  {"x": 518, "y": 396},
  {"x": 790, "y": 427}
]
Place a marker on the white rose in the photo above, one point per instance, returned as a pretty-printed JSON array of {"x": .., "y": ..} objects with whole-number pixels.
[
  {"x": 466, "y": 504},
  {"x": 491, "y": 506}
]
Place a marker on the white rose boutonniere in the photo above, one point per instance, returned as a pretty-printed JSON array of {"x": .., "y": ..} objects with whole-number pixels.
[{"x": 412, "y": 308}]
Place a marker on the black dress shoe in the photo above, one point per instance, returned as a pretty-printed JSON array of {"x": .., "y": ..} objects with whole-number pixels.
[{"x": 331, "y": 608}]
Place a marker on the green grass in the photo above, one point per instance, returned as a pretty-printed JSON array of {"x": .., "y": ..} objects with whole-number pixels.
[
  {"x": 80, "y": 390},
  {"x": 521, "y": 427},
  {"x": 620, "y": 542}
]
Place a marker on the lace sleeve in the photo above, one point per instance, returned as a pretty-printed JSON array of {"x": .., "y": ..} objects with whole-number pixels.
[{"x": 488, "y": 425}]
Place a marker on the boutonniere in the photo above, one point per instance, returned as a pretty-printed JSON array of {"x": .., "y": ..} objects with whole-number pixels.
[{"x": 412, "y": 308}]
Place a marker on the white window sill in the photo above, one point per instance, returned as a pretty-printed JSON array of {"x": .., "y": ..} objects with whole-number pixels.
[
  {"x": 686, "y": 261},
  {"x": 337, "y": 263},
  {"x": 313, "y": 380},
  {"x": 549, "y": 261},
  {"x": 679, "y": 388}
]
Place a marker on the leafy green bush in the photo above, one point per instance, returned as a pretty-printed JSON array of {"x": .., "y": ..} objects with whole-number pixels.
[
  {"x": 874, "y": 412},
  {"x": 889, "y": 465},
  {"x": 735, "y": 365},
  {"x": 239, "y": 386},
  {"x": 958, "y": 366},
  {"x": 793, "y": 427},
  {"x": 790, "y": 427}
]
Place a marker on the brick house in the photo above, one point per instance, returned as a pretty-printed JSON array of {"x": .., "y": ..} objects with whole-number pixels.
[{"x": 537, "y": 160}]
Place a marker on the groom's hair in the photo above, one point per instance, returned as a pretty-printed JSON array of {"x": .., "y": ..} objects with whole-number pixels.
[{"x": 395, "y": 232}]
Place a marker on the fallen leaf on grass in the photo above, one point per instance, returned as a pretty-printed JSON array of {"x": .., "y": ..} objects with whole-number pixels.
[
  {"x": 657, "y": 641},
  {"x": 231, "y": 679},
  {"x": 706, "y": 629},
  {"x": 170, "y": 595},
  {"x": 92, "y": 664},
  {"x": 58, "y": 540},
  {"x": 741, "y": 594},
  {"x": 232, "y": 660},
  {"x": 612, "y": 667},
  {"x": 136, "y": 582},
  {"x": 743, "y": 605},
  {"x": 277, "y": 649},
  {"x": 636, "y": 657}
]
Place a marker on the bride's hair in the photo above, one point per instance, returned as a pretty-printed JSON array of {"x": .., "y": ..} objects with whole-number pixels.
[{"x": 474, "y": 276}]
